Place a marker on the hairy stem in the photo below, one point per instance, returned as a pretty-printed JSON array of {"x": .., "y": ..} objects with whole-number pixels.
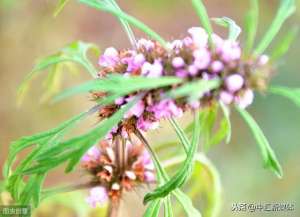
[{"x": 113, "y": 209}]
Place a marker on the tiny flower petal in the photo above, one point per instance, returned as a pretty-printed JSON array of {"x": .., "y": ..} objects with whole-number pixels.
[
  {"x": 181, "y": 73},
  {"x": 226, "y": 97},
  {"x": 119, "y": 101},
  {"x": 234, "y": 82},
  {"x": 145, "y": 44},
  {"x": 231, "y": 51},
  {"x": 217, "y": 66},
  {"x": 92, "y": 154},
  {"x": 146, "y": 125},
  {"x": 199, "y": 36},
  {"x": 149, "y": 176},
  {"x": 245, "y": 99},
  {"x": 178, "y": 62},
  {"x": 109, "y": 58},
  {"x": 98, "y": 195},
  {"x": 195, "y": 104},
  {"x": 263, "y": 60},
  {"x": 130, "y": 175},
  {"x": 136, "y": 110},
  {"x": 193, "y": 70},
  {"x": 115, "y": 187},
  {"x": 202, "y": 58}
]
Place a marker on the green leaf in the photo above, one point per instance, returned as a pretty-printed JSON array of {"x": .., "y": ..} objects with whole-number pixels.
[
  {"x": 251, "y": 24},
  {"x": 41, "y": 141},
  {"x": 205, "y": 180},
  {"x": 194, "y": 90},
  {"x": 122, "y": 15},
  {"x": 75, "y": 148},
  {"x": 124, "y": 23},
  {"x": 286, "y": 9},
  {"x": 60, "y": 6},
  {"x": 208, "y": 118},
  {"x": 32, "y": 190},
  {"x": 283, "y": 46},
  {"x": 118, "y": 84},
  {"x": 180, "y": 133},
  {"x": 168, "y": 212},
  {"x": 49, "y": 137},
  {"x": 181, "y": 176},
  {"x": 202, "y": 14},
  {"x": 269, "y": 157},
  {"x": 292, "y": 94},
  {"x": 75, "y": 52},
  {"x": 186, "y": 203},
  {"x": 153, "y": 209},
  {"x": 234, "y": 29},
  {"x": 226, "y": 113}
]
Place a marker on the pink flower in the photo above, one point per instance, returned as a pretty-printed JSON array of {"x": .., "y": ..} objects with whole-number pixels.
[
  {"x": 263, "y": 60},
  {"x": 199, "y": 36},
  {"x": 218, "y": 42},
  {"x": 175, "y": 45},
  {"x": 145, "y": 158},
  {"x": 166, "y": 109},
  {"x": 152, "y": 70},
  {"x": 146, "y": 125},
  {"x": 245, "y": 99},
  {"x": 149, "y": 176},
  {"x": 134, "y": 62},
  {"x": 119, "y": 101},
  {"x": 230, "y": 51},
  {"x": 92, "y": 154},
  {"x": 234, "y": 82},
  {"x": 131, "y": 175},
  {"x": 145, "y": 44},
  {"x": 178, "y": 62},
  {"x": 201, "y": 58},
  {"x": 226, "y": 97},
  {"x": 187, "y": 41},
  {"x": 195, "y": 104},
  {"x": 109, "y": 58},
  {"x": 98, "y": 195},
  {"x": 217, "y": 66},
  {"x": 193, "y": 70},
  {"x": 136, "y": 110},
  {"x": 181, "y": 73}
]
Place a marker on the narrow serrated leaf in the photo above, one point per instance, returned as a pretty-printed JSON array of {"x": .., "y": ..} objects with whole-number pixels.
[
  {"x": 74, "y": 148},
  {"x": 130, "y": 19},
  {"x": 251, "y": 24},
  {"x": 75, "y": 52},
  {"x": 286, "y": 9},
  {"x": 60, "y": 6},
  {"x": 233, "y": 28},
  {"x": 186, "y": 203},
  {"x": 292, "y": 94},
  {"x": 202, "y": 14},
  {"x": 181, "y": 176},
  {"x": 268, "y": 155},
  {"x": 283, "y": 46},
  {"x": 153, "y": 209},
  {"x": 194, "y": 90},
  {"x": 118, "y": 84}
]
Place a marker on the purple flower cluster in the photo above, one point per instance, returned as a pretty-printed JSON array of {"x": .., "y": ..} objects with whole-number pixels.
[
  {"x": 113, "y": 170},
  {"x": 191, "y": 58}
]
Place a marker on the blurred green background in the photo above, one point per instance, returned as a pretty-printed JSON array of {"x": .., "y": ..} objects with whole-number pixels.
[{"x": 29, "y": 31}]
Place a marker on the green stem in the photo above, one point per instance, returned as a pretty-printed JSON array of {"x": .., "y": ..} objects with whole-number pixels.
[{"x": 128, "y": 18}]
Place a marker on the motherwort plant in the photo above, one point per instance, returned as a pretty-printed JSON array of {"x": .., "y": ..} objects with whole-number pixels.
[{"x": 134, "y": 89}]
